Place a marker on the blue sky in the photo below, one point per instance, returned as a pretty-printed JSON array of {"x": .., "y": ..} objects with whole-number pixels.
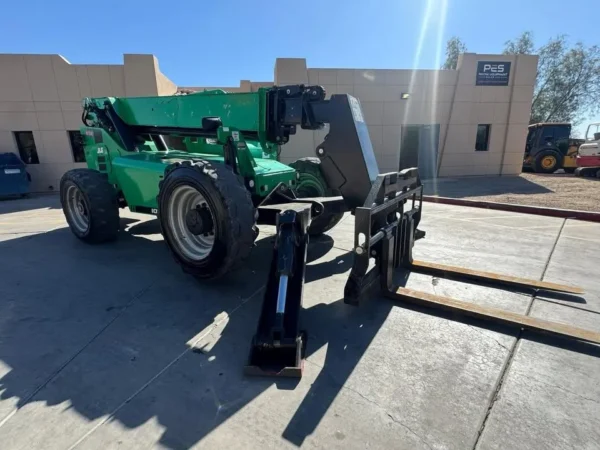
[{"x": 219, "y": 42}]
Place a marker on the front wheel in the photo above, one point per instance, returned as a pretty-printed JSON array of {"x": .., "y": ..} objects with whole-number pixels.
[
  {"x": 206, "y": 216},
  {"x": 547, "y": 161}
]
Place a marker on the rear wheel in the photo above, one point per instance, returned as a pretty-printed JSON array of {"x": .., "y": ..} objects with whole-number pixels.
[
  {"x": 206, "y": 216},
  {"x": 547, "y": 161},
  {"x": 311, "y": 183},
  {"x": 90, "y": 205}
]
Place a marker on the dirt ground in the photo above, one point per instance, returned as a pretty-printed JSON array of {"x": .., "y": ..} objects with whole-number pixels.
[{"x": 558, "y": 190}]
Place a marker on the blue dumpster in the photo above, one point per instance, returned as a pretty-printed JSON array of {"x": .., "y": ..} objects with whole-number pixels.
[{"x": 14, "y": 179}]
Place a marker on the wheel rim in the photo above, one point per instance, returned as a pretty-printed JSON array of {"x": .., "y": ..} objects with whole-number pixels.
[
  {"x": 77, "y": 209},
  {"x": 309, "y": 186},
  {"x": 186, "y": 199},
  {"x": 548, "y": 162}
]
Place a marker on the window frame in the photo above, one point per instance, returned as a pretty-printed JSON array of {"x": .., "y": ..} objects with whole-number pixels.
[
  {"x": 485, "y": 147},
  {"x": 23, "y": 150}
]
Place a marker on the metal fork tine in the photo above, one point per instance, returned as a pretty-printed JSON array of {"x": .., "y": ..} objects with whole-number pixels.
[
  {"x": 495, "y": 315},
  {"x": 445, "y": 271}
]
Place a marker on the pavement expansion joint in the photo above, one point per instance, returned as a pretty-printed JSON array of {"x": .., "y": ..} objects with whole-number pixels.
[{"x": 512, "y": 352}]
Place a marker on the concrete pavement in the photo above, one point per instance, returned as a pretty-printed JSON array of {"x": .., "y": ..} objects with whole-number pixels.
[{"x": 113, "y": 347}]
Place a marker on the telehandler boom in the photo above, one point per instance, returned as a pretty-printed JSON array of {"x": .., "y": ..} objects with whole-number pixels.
[{"x": 207, "y": 165}]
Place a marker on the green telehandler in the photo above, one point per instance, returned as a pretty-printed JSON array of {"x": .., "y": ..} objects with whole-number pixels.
[{"x": 207, "y": 165}]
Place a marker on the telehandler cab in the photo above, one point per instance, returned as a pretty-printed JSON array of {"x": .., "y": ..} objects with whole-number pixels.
[{"x": 207, "y": 165}]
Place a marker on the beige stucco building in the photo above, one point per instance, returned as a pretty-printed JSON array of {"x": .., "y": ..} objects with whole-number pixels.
[
  {"x": 469, "y": 121},
  {"x": 40, "y": 102}
]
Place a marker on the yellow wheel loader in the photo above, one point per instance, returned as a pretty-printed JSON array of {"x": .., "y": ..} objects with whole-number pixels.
[{"x": 549, "y": 147}]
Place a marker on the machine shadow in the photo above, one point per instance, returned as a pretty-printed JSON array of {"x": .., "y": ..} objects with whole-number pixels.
[
  {"x": 564, "y": 296},
  {"x": 482, "y": 186},
  {"x": 100, "y": 321},
  {"x": 32, "y": 201},
  {"x": 144, "y": 228},
  {"x": 347, "y": 344},
  {"x": 189, "y": 389},
  {"x": 59, "y": 341}
]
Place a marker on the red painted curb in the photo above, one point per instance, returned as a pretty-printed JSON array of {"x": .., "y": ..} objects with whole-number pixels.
[{"x": 538, "y": 210}]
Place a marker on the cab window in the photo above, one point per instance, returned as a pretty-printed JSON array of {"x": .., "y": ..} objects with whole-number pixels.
[
  {"x": 531, "y": 138},
  {"x": 561, "y": 138},
  {"x": 547, "y": 135}
]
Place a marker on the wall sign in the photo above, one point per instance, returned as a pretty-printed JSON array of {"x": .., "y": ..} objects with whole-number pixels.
[{"x": 492, "y": 73}]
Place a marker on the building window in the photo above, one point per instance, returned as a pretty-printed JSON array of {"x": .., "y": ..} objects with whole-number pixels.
[
  {"x": 26, "y": 146},
  {"x": 76, "y": 140},
  {"x": 482, "y": 142}
]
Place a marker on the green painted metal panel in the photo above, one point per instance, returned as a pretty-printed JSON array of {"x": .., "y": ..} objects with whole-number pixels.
[
  {"x": 137, "y": 174},
  {"x": 239, "y": 110},
  {"x": 213, "y": 147},
  {"x": 138, "y": 177}
]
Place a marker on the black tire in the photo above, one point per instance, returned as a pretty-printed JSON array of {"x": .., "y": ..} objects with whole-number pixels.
[
  {"x": 311, "y": 183},
  {"x": 585, "y": 172},
  {"x": 542, "y": 165},
  {"x": 98, "y": 199},
  {"x": 569, "y": 169},
  {"x": 233, "y": 216}
]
